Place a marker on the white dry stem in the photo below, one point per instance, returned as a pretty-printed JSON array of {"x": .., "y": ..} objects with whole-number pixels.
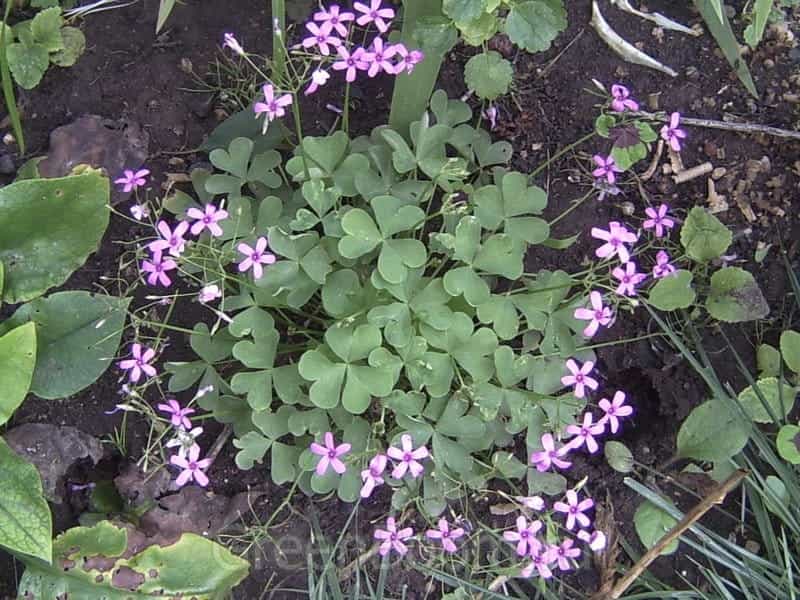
[{"x": 656, "y": 18}]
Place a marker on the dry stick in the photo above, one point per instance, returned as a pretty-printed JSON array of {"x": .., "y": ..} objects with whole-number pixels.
[
  {"x": 725, "y": 125},
  {"x": 716, "y": 496},
  {"x": 219, "y": 443}
]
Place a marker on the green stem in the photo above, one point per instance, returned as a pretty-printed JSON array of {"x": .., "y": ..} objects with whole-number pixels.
[
  {"x": 278, "y": 47},
  {"x": 8, "y": 83},
  {"x": 561, "y": 153}
]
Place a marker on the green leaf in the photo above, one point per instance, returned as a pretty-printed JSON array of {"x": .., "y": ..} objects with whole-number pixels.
[
  {"x": 284, "y": 463},
  {"x": 28, "y": 63},
  {"x": 243, "y": 125},
  {"x": 713, "y": 431},
  {"x": 735, "y": 296},
  {"x": 788, "y": 443},
  {"x": 74, "y": 47},
  {"x": 252, "y": 448},
  {"x": 46, "y": 29},
  {"x": 790, "y": 349},
  {"x": 754, "y": 32},
  {"x": 769, "y": 359},
  {"x": 509, "y": 465},
  {"x": 489, "y": 75},
  {"x": 673, "y": 292},
  {"x": 17, "y": 361},
  {"x": 768, "y": 387},
  {"x": 652, "y": 523},
  {"x": 703, "y": 235},
  {"x": 480, "y": 30},
  {"x": 48, "y": 227},
  {"x": 618, "y": 456},
  {"x": 78, "y": 334},
  {"x": 463, "y": 10},
  {"x": 533, "y": 25},
  {"x": 328, "y": 151},
  {"x": 509, "y": 205},
  {"x": 25, "y": 525}
]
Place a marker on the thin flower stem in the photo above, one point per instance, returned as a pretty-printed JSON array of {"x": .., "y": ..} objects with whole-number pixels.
[
  {"x": 572, "y": 207},
  {"x": 561, "y": 153}
]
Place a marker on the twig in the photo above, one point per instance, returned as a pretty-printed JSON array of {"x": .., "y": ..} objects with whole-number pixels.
[
  {"x": 693, "y": 173},
  {"x": 725, "y": 125},
  {"x": 716, "y": 496},
  {"x": 219, "y": 443},
  {"x": 654, "y": 164}
]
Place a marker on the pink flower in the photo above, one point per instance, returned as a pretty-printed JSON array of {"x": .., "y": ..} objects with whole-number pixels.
[
  {"x": 373, "y": 476},
  {"x": 139, "y": 363},
  {"x": 321, "y": 38},
  {"x": 329, "y": 455},
  {"x": 549, "y": 455},
  {"x": 672, "y": 134},
  {"x": 209, "y": 293},
  {"x": 393, "y": 539},
  {"x": 408, "y": 458},
  {"x": 596, "y": 539},
  {"x": 131, "y": 181},
  {"x": 585, "y": 432},
  {"x": 446, "y": 535},
  {"x": 628, "y": 279},
  {"x": 531, "y": 502},
  {"x": 272, "y": 106},
  {"x": 490, "y": 114},
  {"x": 232, "y": 43},
  {"x": 662, "y": 268},
  {"x": 178, "y": 416},
  {"x": 621, "y": 99},
  {"x": 318, "y": 78},
  {"x": 351, "y": 62},
  {"x": 378, "y": 57},
  {"x": 564, "y": 552},
  {"x": 614, "y": 409},
  {"x": 192, "y": 467},
  {"x": 525, "y": 536},
  {"x": 336, "y": 18},
  {"x": 658, "y": 219},
  {"x": 207, "y": 219},
  {"x": 579, "y": 377},
  {"x": 171, "y": 239},
  {"x": 157, "y": 267},
  {"x": 606, "y": 168},
  {"x": 574, "y": 509},
  {"x": 408, "y": 59},
  {"x": 540, "y": 563},
  {"x": 140, "y": 211},
  {"x": 616, "y": 237},
  {"x": 597, "y": 316},
  {"x": 255, "y": 257},
  {"x": 374, "y": 13}
]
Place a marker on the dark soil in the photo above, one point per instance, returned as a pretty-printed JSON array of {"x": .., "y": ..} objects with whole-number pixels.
[{"x": 127, "y": 72}]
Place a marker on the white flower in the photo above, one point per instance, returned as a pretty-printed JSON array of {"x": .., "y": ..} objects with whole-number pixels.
[
  {"x": 184, "y": 440},
  {"x": 209, "y": 293},
  {"x": 140, "y": 211},
  {"x": 232, "y": 43}
]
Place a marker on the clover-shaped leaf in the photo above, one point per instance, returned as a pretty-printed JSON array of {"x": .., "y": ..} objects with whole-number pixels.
[
  {"x": 395, "y": 320},
  {"x": 506, "y": 206},
  {"x": 426, "y": 369},
  {"x": 426, "y": 298},
  {"x": 303, "y": 266},
  {"x": 471, "y": 349},
  {"x": 242, "y": 168},
  {"x": 501, "y": 312}
]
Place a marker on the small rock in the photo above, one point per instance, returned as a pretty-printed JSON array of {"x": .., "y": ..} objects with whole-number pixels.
[
  {"x": 769, "y": 63},
  {"x": 7, "y": 166},
  {"x": 718, "y": 173},
  {"x": 692, "y": 73},
  {"x": 752, "y": 546}
]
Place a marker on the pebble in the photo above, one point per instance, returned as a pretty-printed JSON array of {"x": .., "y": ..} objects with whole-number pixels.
[
  {"x": 7, "y": 166},
  {"x": 718, "y": 173},
  {"x": 769, "y": 63}
]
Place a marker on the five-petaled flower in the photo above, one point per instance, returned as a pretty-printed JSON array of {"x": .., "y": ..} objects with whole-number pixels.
[
  {"x": 378, "y": 56},
  {"x": 408, "y": 458},
  {"x": 596, "y": 539},
  {"x": 392, "y": 538},
  {"x": 614, "y": 409},
  {"x": 329, "y": 455},
  {"x": 564, "y": 552},
  {"x": 255, "y": 257},
  {"x": 132, "y": 180},
  {"x": 374, "y": 13},
  {"x": 575, "y": 509},
  {"x": 171, "y": 239},
  {"x": 621, "y": 100},
  {"x": 542, "y": 459},
  {"x": 335, "y": 17},
  {"x": 140, "y": 363},
  {"x": 208, "y": 218},
  {"x": 274, "y": 107},
  {"x": 606, "y": 168},
  {"x": 672, "y": 134},
  {"x": 408, "y": 59},
  {"x": 446, "y": 535},
  {"x": 232, "y": 43},
  {"x": 373, "y": 475},
  {"x": 193, "y": 467},
  {"x": 524, "y": 536},
  {"x": 318, "y": 78},
  {"x": 321, "y": 38},
  {"x": 585, "y": 432},
  {"x": 658, "y": 219},
  {"x": 615, "y": 239},
  {"x": 663, "y": 267},
  {"x": 579, "y": 377},
  {"x": 628, "y": 279},
  {"x": 179, "y": 416},
  {"x": 157, "y": 268},
  {"x": 541, "y": 560},
  {"x": 599, "y": 315},
  {"x": 350, "y": 62}
]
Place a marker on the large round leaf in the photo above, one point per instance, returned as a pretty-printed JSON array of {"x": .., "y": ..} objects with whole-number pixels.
[
  {"x": 714, "y": 431},
  {"x": 652, "y": 523},
  {"x": 17, "y": 359},
  {"x": 48, "y": 227},
  {"x": 78, "y": 335}
]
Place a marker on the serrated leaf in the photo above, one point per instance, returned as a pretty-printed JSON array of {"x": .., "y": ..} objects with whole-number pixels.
[
  {"x": 46, "y": 29},
  {"x": 489, "y": 75},
  {"x": 28, "y": 63},
  {"x": 533, "y": 25},
  {"x": 788, "y": 444},
  {"x": 74, "y": 47},
  {"x": 790, "y": 350}
]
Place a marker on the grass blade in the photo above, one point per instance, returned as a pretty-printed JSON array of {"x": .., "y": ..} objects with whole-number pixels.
[{"x": 8, "y": 84}]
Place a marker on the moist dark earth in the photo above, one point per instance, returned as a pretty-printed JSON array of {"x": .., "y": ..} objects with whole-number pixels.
[{"x": 128, "y": 72}]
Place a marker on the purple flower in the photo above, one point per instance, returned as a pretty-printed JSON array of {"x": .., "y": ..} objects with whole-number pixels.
[
  {"x": 606, "y": 168},
  {"x": 140, "y": 363},
  {"x": 564, "y": 552},
  {"x": 525, "y": 536},
  {"x": 192, "y": 467},
  {"x": 374, "y": 13},
  {"x": 446, "y": 535},
  {"x": 621, "y": 99},
  {"x": 540, "y": 563},
  {"x": 321, "y": 38},
  {"x": 596, "y": 539},
  {"x": 597, "y": 316},
  {"x": 628, "y": 279},
  {"x": 392, "y": 538},
  {"x": 672, "y": 134},
  {"x": 351, "y": 62},
  {"x": 232, "y": 43},
  {"x": 574, "y": 510},
  {"x": 614, "y": 410},
  {"x": 207, "y": 219},
  {"x": 378, "y": 57},
  {"x": 318, "y": 78},
  {"x": 255, "y": 257},
  {"x": 171, "y": 239},
  {"x": 408, "y": 59},
  {"x": 579, "y": 377},
  {"x": 549, "y": 455},
  {"x": 140, "y": 211},
  {"x": 490, "y": 114},
  {"x": 408, "y": 458},
  {"x": 157, "y": 267},
  {"x": 209, "y": 293},
  {"x": 373, "y": 476},
  {"x": 658, "y": 219},
  {"x": 329, "y": 455},
  {"x": 662, "y": 268},
  {"x": 274, "y": 107},
  {"x": 585, "y": 432},
  {"x": 131, "y": 180},
  {"x": 179, "y": 417},
  {"x": 335, "y": 17},
  {"x": 615, "y": 239}
]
